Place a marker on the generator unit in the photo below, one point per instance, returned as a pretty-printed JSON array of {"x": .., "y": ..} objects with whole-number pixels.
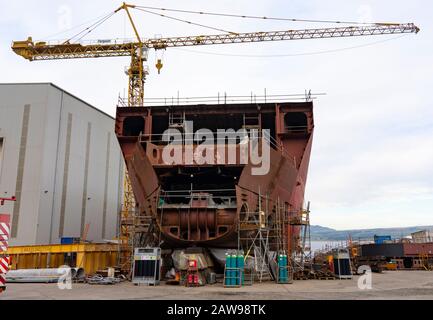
[
  {"x": 147, "y": 266},
  {"x": 342, "y": 264}
]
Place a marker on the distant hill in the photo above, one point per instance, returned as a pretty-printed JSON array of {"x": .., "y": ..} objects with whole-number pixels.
[{"x": 328, "y": 234}]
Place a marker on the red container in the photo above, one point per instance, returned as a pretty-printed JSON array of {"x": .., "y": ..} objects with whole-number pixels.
[{"x": 416, "y": 249}]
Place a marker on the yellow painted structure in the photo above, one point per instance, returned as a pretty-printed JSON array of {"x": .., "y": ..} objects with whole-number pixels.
[
  {"x": 391, "y": 266},
  {"x": 90, "y": 257}
]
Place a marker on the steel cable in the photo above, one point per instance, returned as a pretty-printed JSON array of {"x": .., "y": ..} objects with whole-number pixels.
[
  {"x": 253, "y": 17},
  {"x": 185, "y": 21}
]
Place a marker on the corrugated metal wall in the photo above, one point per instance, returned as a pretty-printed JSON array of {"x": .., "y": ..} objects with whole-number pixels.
[{"x": 61, "y": 161}]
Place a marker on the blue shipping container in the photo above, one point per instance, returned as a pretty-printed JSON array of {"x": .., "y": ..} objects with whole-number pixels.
[
  {"x": 381, "y": 239},
  {"x": 69, "y": 240}
]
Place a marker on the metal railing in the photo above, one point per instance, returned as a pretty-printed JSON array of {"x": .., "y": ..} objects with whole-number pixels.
[
  {"x": 223, "y": 99},
  {"x": 215, "y": 197}
]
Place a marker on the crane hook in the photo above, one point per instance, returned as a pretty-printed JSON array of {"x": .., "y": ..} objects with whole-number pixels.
[{"x": 159, "y": 65}]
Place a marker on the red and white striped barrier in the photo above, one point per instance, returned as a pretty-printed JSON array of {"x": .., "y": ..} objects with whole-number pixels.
[
  {"x": 4, "y": 244},
  {"x": 4, "y": 268}
]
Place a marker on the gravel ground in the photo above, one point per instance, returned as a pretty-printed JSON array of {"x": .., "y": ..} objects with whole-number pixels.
[{"x": 388, "y": 285}]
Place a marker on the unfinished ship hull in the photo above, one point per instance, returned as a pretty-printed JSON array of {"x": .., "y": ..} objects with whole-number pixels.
[{"x": 204, "y": 204}]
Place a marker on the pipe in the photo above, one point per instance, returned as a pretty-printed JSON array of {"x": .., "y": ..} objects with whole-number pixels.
[
  {"x": 41, "y": 275},
  {"x": 80, "y": 274}
]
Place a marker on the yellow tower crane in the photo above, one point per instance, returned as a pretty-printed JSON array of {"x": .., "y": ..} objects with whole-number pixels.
[{"x": 137, "y": 50}]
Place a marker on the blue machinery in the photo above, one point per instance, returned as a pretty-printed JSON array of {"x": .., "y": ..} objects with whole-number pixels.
[
  {"x": 283, "y": 269},
  {"x": 234, "y": 273}
]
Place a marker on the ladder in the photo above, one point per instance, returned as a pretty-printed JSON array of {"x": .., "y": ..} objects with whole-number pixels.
[
  {"x": 136, "y": 230},
  {"x": 252, "y": 121},
  {"x": 146, "y": 225},
  {"x": 262, "y": 255},
  {"x": 281, "y": 227},
  {"x": 302, "y": 253},
  {"x": 126, "y": 224},
  {"x": 306, "y": 237},
  {"x": 176, "y": 119},
  {"x": 424, "y": 259}
]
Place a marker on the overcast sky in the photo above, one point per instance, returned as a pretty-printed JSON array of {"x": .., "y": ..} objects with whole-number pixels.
[{"x": 372, "y": 160}]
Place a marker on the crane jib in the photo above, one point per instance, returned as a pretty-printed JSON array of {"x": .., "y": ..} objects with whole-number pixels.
[
  {"x": 136, "y": 49},
  {"x": 112, "y": 48}
]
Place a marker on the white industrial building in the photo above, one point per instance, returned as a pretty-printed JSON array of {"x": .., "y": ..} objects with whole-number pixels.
[
  {"x": 423, "y": 236},
  {"x": 60, "y": 157}
]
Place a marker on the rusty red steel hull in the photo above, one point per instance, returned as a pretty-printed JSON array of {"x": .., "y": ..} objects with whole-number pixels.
[{"x": 201, "y": 204}]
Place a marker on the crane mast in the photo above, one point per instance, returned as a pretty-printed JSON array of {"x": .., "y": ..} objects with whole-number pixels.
[{"x": 136, "y": 72}]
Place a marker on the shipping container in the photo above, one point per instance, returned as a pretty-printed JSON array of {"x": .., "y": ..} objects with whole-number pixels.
[
  {"x": 387, "y": 250},
  {"x": 416, "y": 249},
  {"x": 381, "y": 239}
]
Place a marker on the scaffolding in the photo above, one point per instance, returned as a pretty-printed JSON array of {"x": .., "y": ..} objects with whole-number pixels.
[
  {"x": 176, "y": 120},
  {"x": 253, "y": 240},
  {"x": 301, "y": 248},
  {"x": 136, "y": 229},
  {"x": 281, "y": 231},
  {"x": 126, "y": 238},
  {"x": 263, "y": 236}
]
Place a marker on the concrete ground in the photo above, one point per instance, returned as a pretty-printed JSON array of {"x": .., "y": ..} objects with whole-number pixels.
[{"x": 388, "y": 285}]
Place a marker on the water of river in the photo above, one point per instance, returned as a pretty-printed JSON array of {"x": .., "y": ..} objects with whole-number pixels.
[{"x": 319, "y": 245}]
